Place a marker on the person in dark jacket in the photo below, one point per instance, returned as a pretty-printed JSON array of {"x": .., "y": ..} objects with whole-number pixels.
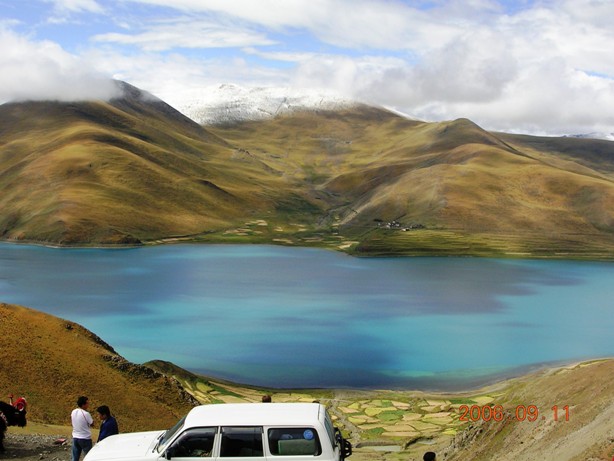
[{"x": 109, "y": 423}]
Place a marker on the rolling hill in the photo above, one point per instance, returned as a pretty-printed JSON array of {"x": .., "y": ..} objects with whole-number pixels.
[
  {"x": 357, "y": 178},
  {"x": 454, "y": 187},
  {"x": 125, "y": 171}
]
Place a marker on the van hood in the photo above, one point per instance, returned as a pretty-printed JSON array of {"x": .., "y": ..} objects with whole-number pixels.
[{"x": 125, "y": 446}]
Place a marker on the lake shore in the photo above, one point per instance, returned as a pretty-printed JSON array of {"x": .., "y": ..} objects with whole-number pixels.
[{"x": 377, "y": 242}]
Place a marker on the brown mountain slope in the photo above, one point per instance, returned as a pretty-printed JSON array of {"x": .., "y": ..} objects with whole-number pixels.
[
  {"x": 135, "y": 170},
  {"x": 52, "y": 361},
  {"x": 125, "y": 171},
  {"x": 474, "y": 191}
]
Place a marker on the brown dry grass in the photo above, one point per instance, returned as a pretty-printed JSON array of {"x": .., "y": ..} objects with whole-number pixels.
[
  {"x": 587, "y": 434},
  {"x": 52, "y": 361}
]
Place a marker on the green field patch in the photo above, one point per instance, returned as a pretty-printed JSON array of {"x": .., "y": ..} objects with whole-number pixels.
[
  {"x": 381, "y": 403},
  {"x": 224, "y": 389},
  {"x": 373, "y": 411},
  {"x": 355, "y": 406},
  {"x": 202, "y": 387},
  {"x": 412, "y": 416},
  {"x": 357, "y": 420},
  {"x": 483, "y": 400},
  {"x": 396, "y": 415},
  {"x": 374, "y": 432}
]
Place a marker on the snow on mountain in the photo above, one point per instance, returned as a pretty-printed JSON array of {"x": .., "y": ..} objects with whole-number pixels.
[
  {"x": 230, "y": 103},
  {"x": 606, "y": 136}
]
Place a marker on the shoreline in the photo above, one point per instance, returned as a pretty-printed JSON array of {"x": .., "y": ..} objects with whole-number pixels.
[
  {"x": 490, "y": 383},
  {"x": 194, "y": 240}
]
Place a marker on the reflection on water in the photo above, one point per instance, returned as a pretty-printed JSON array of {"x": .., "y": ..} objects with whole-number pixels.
[{"x": 292, "y": 317}]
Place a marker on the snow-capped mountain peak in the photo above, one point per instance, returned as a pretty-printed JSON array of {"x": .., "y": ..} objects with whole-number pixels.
[{"x": 230, "y": 103}]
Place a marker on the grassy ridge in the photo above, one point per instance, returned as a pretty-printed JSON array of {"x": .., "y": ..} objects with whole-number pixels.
[
  {"x": 478, "y": 193},
  {"x": 127, "y": 171},
  {"x": 136, "y": 171}
]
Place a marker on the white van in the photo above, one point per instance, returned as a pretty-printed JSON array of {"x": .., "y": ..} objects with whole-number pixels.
[{"x": 237, "y": 431}]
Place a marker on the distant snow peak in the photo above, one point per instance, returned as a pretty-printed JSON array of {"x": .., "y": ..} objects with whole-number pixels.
[
  {"x": 594, "y": 135},
  {"x": 230, "y": 103}
]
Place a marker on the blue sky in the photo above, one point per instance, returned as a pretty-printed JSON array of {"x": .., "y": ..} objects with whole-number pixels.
[{"x": 542, "y": 67}]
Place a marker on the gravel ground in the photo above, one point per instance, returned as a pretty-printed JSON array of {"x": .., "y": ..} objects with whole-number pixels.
[{"x": 31, "y": 447}]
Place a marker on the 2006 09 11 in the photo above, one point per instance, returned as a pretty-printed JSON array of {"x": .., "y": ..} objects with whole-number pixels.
[{"x": 520, "y": 413}]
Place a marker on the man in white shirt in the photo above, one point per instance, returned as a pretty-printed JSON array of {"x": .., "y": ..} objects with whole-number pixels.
[{"x": 81, "y": 428}]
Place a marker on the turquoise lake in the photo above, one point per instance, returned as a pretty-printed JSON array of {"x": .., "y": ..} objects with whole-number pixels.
[{"x": 300, "y": 317}]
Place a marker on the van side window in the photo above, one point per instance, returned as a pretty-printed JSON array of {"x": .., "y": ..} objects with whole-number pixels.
[
  {"x": 168, "y": 435},
  {"x": 241, "y": 442},
  {"x": 288, "y": 441},
  {"x": 194, "y": 443}
]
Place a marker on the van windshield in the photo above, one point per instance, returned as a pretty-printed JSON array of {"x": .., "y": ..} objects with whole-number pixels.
[{"x": 168, "y": 435}]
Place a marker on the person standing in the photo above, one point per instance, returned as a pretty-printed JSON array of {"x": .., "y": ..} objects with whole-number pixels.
[
  {"x": 81, "y": 428},
  {"x": 109, "y": 423}
]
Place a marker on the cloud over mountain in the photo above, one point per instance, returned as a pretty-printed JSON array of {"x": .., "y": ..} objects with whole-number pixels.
[
  {"x": 530, "y": 66},
  {"x": 42, "y": 70}
]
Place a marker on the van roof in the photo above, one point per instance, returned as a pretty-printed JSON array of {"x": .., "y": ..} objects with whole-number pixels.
[{"x": 255, "y": 414}]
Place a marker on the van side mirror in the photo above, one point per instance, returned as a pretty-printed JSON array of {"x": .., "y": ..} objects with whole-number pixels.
[{"x": 168, "y": 454}]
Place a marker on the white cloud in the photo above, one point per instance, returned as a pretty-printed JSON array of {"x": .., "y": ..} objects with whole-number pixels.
[
  {"x": 77, "y": 6},
  {"x": 188, "y": 33},
  {"x": 348, "y": 23},
  {"x": 542, "y": 66},
  {"x": 172, "y": 76},
  {"x": 64, "y": 10},
  {"x": 34, "y": 70}
]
